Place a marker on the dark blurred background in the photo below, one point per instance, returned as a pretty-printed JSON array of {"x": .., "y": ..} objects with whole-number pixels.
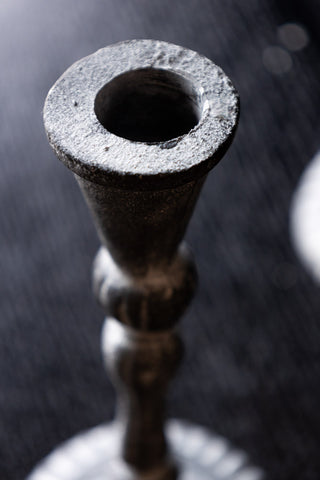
[{"x": 252, "y": 335}]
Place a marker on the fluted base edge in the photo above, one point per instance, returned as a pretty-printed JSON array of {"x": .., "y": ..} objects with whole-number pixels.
[{"x": 93, "y": 455}]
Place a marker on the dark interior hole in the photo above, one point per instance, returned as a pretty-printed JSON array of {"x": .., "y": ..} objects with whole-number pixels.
[{"x": 148, "y": 105}]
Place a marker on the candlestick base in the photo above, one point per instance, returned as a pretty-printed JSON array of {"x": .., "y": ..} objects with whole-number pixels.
[{"x": 93, "y": 455}]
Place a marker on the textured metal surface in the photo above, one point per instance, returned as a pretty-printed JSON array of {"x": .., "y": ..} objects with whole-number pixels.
[
  {"x": 201, "y": 455},
  {"x": 141, "y": 123},
  {"x": 83, "y": 143}
]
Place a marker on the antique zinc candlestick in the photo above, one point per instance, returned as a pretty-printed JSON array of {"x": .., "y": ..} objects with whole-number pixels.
[{"x": 140, "y": 124}]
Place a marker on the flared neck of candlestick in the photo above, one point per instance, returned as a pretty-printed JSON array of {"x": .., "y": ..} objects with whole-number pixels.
[{"x": 141, "y": 230}]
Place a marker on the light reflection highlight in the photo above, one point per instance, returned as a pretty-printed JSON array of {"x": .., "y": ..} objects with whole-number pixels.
[
  {"x": 276, "y": 60},
  {"x": 293, "y": 36}
]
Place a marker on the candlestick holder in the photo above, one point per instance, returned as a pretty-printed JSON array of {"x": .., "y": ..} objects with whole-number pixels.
[{"x": 140, "y": 124}]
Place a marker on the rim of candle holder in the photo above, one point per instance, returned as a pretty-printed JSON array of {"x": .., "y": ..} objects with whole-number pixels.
[{"x": 205, "y": 102}]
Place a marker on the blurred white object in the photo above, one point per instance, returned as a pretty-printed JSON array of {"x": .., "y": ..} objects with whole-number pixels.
[{"x": 305, "y": 217}]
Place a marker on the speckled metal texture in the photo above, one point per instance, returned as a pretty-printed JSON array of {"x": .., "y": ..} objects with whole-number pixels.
[
  {"x": 141, "y": 123},
  {"x": 94, "y": 153}
]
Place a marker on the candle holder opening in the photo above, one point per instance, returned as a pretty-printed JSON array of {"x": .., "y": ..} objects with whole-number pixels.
[{"x": 148, "y": 105}]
